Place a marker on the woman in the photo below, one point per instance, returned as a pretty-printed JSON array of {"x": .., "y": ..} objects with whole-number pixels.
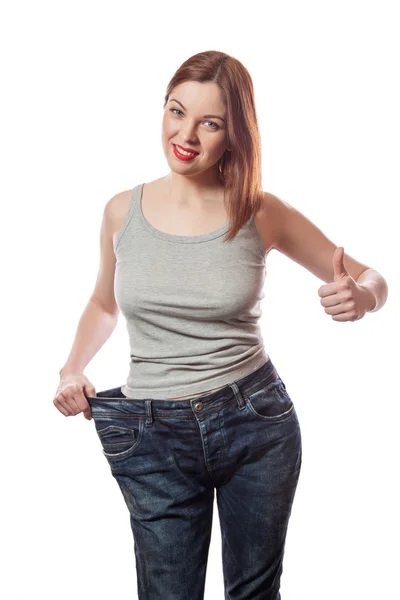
[{"x": 203, "y": 406}]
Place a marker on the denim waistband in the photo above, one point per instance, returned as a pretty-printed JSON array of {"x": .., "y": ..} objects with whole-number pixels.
[{"x": 208, "y": 402}]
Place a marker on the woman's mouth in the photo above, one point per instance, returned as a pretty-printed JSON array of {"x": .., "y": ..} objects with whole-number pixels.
[{"x": 183, "y": 155}]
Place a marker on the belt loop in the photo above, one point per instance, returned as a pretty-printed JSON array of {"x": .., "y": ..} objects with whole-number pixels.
[
  {"x": 149, "y": 413},
  {"x": 238, "y": 395}
]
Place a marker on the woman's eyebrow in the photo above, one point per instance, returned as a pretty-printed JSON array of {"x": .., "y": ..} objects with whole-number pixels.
[{"x": 205, "y": 116}]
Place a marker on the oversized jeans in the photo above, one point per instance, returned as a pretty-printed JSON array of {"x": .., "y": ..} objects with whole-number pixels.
[{"x": 167, "y": 457}]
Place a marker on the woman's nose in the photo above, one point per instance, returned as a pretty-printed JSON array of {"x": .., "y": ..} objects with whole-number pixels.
[{"x": 188, "y": 132}]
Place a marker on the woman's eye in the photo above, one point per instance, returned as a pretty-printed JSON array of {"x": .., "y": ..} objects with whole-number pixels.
[{"x": 212, "y": 122}]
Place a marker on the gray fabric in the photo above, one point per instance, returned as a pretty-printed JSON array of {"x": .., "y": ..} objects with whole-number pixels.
[{"x": 191, "y": 304}]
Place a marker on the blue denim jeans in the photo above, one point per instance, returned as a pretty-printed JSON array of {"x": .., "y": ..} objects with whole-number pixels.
[{"x": 168, "y": 456}]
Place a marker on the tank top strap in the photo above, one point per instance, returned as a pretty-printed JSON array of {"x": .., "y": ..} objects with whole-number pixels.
[{"x": 132, "y": 205}]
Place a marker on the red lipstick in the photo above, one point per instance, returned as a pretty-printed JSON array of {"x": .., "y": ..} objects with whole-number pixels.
[{"x": 183, "y": 157}]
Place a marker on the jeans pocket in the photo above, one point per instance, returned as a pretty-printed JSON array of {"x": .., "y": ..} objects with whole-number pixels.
[
  {"x": 120, "y": 441},
  {"x": 271, "y": 402}
]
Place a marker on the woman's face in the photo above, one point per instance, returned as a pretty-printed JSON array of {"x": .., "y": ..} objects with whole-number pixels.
[{"x": 185, "y": 123}]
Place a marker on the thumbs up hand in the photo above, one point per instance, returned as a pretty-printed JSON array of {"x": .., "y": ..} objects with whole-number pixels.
[{"x": 344, "y": 299}]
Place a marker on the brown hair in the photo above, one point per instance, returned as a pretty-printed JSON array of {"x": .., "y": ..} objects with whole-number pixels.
[{"x": 240, "y": 168}]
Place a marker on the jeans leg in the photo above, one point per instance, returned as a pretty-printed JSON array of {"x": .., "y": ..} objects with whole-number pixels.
[
  {"x": 158, "y": 464},
  {"x": 171, "y": 541},
  {"x": 258, "y": 481}
]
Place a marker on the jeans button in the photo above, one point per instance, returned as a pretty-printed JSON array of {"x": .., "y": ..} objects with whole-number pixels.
[{"x": 198, "y": 406}]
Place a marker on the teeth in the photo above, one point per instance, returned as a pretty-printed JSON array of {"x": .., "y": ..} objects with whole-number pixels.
[{"x": 184, "y": 152}]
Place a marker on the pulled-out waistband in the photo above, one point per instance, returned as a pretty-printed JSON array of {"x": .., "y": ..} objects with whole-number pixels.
[{"x": 113, "y": 403}]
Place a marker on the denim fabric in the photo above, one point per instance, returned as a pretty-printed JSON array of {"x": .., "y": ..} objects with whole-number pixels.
[{"x": 168, "y": 456}]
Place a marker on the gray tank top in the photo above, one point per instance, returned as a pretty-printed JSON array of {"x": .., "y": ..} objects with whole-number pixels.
[{"x": 191, "y": 304}]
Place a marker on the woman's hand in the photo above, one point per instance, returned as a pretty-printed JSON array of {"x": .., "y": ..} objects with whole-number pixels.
[
  {"x": 344, "y": 299},
  {"x": 70, "y": 398}
]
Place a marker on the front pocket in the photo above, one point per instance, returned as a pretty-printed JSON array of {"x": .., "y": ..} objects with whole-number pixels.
[
  {"x": 270, "y": 403},
  {"x": 118, "y": 441}
]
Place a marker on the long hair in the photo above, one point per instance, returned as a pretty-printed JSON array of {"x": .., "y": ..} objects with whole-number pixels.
[{"x": 239, "y": 168}]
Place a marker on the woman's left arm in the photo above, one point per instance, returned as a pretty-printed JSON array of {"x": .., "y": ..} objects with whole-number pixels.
[{"x": 352, "y": 288}]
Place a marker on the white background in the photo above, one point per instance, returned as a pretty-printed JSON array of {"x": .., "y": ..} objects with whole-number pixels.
[{"x": 81, "y": 109}]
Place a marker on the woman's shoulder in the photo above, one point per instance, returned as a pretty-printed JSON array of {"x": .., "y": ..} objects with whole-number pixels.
[
  {"x": 268, "y": 218},
  {"x": 119, "y": 203},
  {"x": 116, "y": 211},
  {"x": 118, "y": 207}
]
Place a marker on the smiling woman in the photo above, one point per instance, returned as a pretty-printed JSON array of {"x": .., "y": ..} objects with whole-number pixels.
[
  {"x": 203, "y": 407},
  {"x": 204, "y": 112}
]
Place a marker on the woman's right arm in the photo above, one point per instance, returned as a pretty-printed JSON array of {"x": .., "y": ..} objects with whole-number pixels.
[{"x": 95, "y": 326}]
